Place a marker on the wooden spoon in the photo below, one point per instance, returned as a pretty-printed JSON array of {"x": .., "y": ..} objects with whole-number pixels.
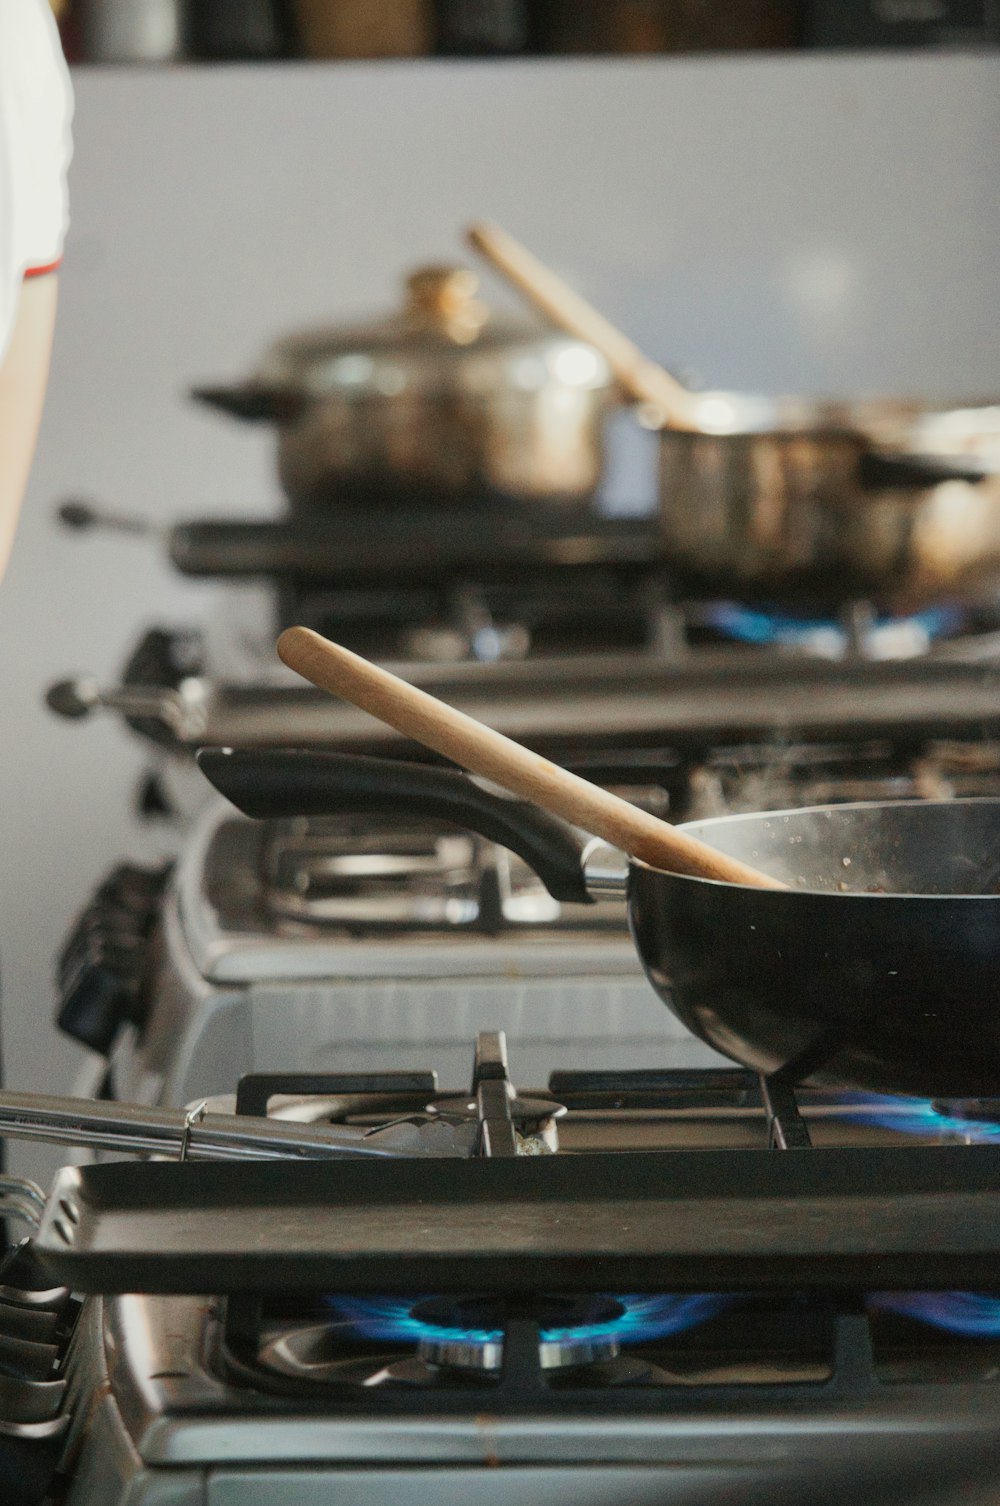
[
  {"x": 639, "y": 377},
  {"x": 483, "y": 751}
]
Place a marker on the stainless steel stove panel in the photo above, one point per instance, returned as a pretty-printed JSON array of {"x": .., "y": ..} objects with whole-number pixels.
[
  {"x": 239, "y": 989},
  {"x": 589, "y": 1007},
  {"x": 162, "y": 1428},
  {"x": 798, "y": 1395},
  {"x": 238, "y": 930}
]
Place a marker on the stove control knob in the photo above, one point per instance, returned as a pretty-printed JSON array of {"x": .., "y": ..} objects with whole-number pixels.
[
  {"x": 36, "y": 1320},
  {"x": 106, "y": 962}
]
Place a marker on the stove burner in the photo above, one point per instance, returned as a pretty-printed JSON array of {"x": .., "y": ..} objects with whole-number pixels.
[
  {"x": 973, "y": 1315},
  {"x": 875, "y": 637},
  {"x": 971, "y": 1123},
  {"x": 468, "y": 1332}
]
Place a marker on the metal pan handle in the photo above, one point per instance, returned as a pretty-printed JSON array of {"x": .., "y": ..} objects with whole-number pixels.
[
  {"x": 878, "y": 471},
  {"x": 255, "y": 402},
  {"x": 270, "y": 783}
]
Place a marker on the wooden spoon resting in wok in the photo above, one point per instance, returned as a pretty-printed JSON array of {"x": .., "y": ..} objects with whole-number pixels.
[{"x": 482, "y": 751}]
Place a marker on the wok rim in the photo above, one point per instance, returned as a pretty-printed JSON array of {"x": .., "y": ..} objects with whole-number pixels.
[{"x": 806, "y": 810}]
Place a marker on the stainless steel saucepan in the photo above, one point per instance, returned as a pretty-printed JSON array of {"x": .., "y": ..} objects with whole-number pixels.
[
  {"x": 446, "y": 402},
  {"x": 786, "y": 499}
]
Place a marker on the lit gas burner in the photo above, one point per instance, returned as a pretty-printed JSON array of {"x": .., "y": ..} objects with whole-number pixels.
[
  {"x": 967, "y": 1123},
  {"x": 858, "y": 632},
  {"x": 974, "y": 1315},
  {"x": 468, "y": 1332}
]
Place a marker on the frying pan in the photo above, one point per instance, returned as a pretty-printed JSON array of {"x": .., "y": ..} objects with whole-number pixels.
[{"x": 891, "y": 985}]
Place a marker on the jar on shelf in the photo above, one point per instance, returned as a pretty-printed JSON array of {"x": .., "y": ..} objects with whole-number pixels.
[
  {"x": 131, "y": 31},
  {"x": 485, "y": 28},
  {"x": 363, "y": 29},
  {"x": 652, "y": 26},
  {"x": 234, "y": 30},
  {"x": 69, "y": 19}
]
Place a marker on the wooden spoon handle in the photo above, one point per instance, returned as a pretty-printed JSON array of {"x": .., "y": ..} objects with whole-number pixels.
[
  {"x": 642, "y": 379},
  {"x": 478, "y": 748}
]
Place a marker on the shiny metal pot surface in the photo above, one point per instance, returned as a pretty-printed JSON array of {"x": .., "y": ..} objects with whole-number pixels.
[
  {"x": 442, "y": 403},
  {"x": 134, "y": 31},
  {"x": 787, "y": 498}
]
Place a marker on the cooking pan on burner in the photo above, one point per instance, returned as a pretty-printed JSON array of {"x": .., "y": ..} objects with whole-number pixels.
[{"x": 879, "y": 967}]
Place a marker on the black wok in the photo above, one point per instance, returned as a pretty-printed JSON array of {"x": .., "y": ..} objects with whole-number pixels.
[{"x": 878, "y": 968}]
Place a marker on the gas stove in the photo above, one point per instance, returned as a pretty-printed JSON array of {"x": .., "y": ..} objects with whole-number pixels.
[
  {"x": 565, "y": 632},
  {"x": 653, "y": 1285},
  {"x": 603, "y": 713},
  {"x": 349, "y": 943},
  {"x": 551, "y": 628},
  {"x": 364, "y": 937}
]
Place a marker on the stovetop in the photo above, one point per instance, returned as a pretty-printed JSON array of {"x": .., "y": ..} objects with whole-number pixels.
[
  {"x": 662, "y": 1280},
  {"x": 699, "y": 1177},
  {"x": 677, "y": 1283}
]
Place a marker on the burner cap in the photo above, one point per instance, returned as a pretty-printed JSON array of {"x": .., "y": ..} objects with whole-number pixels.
[
  {"x": 534, "y": 1119},
  {"x": 467, "y": 1332}
]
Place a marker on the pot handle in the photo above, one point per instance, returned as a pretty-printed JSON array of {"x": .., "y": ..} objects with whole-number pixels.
[
  {"x": 878, "y": 471},
  {"x": 254, "y": 401},
  {"x": 279, "y": 783}
]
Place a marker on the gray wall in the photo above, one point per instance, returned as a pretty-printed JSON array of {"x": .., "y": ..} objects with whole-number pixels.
[{"x": 810, "y": 223}]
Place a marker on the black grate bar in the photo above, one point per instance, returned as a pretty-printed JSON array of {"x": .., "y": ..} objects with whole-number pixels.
[
  {"x": 786, "y": 1129},
  {"x": 256, "y": 1089}
]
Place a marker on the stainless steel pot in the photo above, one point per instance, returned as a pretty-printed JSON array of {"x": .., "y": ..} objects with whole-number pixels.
[
  {"x": 440, "y": 403},
  {"x": 782, "y": 498},
  {"x": 786, "y": 497},
  {"x": 134, "y": 31}
]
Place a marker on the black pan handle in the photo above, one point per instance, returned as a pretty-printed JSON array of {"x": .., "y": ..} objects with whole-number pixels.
[
  {"x": 257, "y": 402},
  {"x": 80, "y": 515},
  {"x": 878, "y": 471},
  {"x": 231, "y": 548},
  {"x": 275, "y": 783}
]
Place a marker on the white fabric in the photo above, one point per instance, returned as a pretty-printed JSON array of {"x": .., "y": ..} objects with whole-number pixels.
[{"x": 36, "y": 106}]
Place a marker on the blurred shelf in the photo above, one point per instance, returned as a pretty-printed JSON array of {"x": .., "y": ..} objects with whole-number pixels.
[
  {"x": 169, "y": 33},
  {"x": 205, "y": 65}
]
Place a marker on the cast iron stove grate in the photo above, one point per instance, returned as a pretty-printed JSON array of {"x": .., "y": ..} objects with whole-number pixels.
[{"x": 655, "y": 1352}]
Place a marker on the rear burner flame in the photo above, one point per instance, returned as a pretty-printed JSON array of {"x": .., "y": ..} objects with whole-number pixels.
[
  {"x": 883, "y": 637},
  {"x": 972, "y": 1123},
  {"x": 973, "y": 1315}
]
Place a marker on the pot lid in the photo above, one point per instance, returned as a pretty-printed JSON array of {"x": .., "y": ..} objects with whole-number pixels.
[{"x": 443, "y": 338}]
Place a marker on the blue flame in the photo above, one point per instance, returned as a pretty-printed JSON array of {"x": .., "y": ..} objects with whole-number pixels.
[
  {"x": 392, "y": 1319},
  {"x": 916, "y": 1116},
  {"x": 974, "y": 1315},
  {"x": 644, "y": 1317},
  {"x": 648, "y": 1317},
  {"x": 746, "y": 625}
]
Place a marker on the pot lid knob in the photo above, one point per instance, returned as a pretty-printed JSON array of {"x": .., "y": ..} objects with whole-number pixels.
[{"x": 443, "y": 298}]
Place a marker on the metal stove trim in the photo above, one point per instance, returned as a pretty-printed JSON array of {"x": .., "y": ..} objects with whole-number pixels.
[
  {"x": 238, "y": 958},
  {"x": 195, "y": 1418},
  {"x": 701, "y": 697}
]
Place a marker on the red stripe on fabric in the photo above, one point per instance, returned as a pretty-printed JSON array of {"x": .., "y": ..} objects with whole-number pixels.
[{"x": 49, "y": 266}]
